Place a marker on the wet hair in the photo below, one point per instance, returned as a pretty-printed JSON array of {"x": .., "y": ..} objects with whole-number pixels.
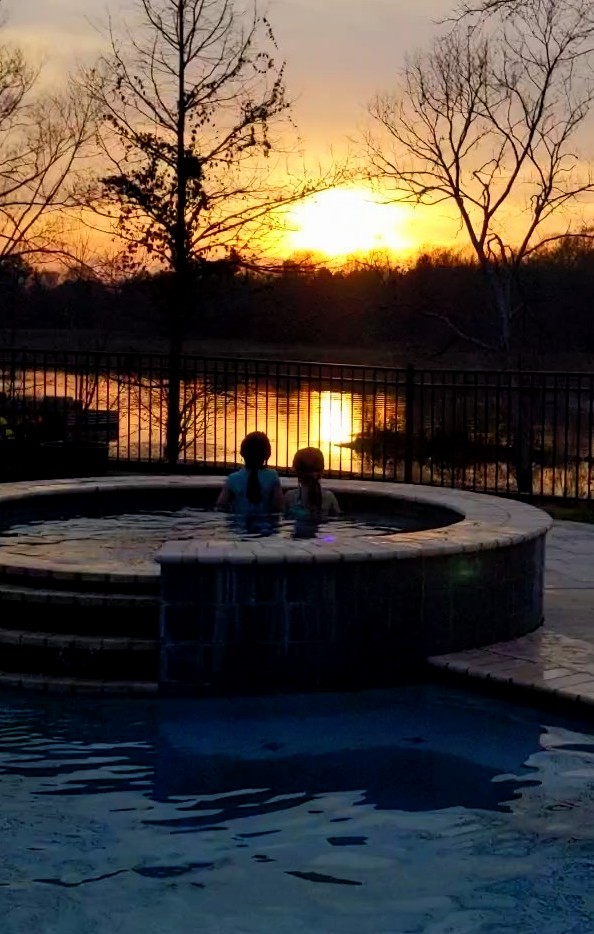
[
  {"x": 255, "y": 450},
  {"x": 310, "y": 461}
]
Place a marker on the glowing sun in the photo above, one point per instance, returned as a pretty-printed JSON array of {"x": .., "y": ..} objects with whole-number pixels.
[{"x": 346, "y": 221}]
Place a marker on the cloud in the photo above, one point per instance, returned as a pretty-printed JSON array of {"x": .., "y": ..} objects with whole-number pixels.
[
  {"x": 57, "y": 33},
  {"x": 339, "y": 53}
]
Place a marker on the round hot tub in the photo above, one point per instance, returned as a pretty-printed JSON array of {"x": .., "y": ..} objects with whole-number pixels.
[{"x": 135, "y": 579}]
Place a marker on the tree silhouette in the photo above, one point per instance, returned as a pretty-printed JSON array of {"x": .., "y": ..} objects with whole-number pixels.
[
  {"x": 487, "y": 120},
  {"x": 190, "y": 100},
  {"x": 43, "y": 139}
]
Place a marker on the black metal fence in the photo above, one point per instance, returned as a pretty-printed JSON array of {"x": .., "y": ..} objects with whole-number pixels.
[{"x": 505, "y": 432}]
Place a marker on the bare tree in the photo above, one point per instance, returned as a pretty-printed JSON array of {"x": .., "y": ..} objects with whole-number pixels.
[
  {"x": 43, "y": 141},
  {"x": 489, "y": 120},
  {"x": 190, "y": 96}
]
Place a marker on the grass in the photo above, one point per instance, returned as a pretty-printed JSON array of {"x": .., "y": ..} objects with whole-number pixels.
[{"x": 569, "y": 512}]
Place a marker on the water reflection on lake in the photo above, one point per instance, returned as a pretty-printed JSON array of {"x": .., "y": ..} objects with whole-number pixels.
[
  {"x": 217, "y": 418},
  {"x": 330, "y": 406}
]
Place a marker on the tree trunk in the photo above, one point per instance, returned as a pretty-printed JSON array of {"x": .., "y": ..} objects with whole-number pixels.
[
  {"x": 519, "y": 386},
  {"x": 180, "y": 311},
  {"x": 521, "y": 414},
  {"x": 173, "y": 401}
]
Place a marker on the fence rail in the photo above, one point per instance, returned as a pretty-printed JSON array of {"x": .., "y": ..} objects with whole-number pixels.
[{"x": 489, "y": 431}]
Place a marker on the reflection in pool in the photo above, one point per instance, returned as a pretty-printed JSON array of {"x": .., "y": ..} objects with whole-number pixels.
[{"x": 413, "y": 810}]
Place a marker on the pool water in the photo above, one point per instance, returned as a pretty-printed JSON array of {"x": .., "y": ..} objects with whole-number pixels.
[
  {"x": 419, "y": 810},
  {"x": 133, "y": 538}
]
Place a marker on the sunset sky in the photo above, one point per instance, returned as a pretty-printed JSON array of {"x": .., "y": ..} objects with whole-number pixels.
[{"x": 339, "y": 53}]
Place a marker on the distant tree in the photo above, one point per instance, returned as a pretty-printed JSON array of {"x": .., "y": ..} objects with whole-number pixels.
[
  {"x": 570, "y": 252},
  {"x": 560, "y": 282},
  {"x": 488, "y": 120},
  {"x": 15, "y": 272},
  {"x": 190, "y": 95}
]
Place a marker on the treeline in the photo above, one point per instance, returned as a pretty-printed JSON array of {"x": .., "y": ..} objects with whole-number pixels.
[{"x": 438, "y": 301}]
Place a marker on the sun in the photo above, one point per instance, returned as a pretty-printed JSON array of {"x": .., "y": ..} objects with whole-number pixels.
[{"x": 346, "y": 221}]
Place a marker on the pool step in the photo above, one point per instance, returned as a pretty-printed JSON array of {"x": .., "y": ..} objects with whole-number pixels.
[
  {"x": 113, "y": 615},
  {"x": 76, "y": 685},
  {"x": 63, "y": 655},
  {"x": 42, "y": 579},
  {"x": 73, "y": 632}
]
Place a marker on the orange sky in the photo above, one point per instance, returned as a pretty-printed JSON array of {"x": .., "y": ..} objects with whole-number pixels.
[{"x": 339, "y": 53}]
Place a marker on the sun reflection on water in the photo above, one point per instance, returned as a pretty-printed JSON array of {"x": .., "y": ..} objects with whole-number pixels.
[{"x": 332, "y": 422}]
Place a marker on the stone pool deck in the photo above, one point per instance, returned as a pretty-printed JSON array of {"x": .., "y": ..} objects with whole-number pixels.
[{"x": 556, "y": 662}]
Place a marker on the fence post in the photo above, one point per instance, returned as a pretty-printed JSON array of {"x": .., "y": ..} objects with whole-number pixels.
[
  {"x": 522, "y": 416},
  {"x": 409, "y": 423}
]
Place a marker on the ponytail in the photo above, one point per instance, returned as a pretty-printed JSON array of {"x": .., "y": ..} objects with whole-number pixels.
[
  {"x": 315, "y": 497},
  {"x": 254, "y": 491},
  {"x": 255, "y": 450},
  {"x": 307, "y": 463}
]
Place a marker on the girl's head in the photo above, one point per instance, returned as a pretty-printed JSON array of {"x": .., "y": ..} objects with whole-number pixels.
[
  {"x": 255, "y": 450},
  {"x": 308, "y": 464}
]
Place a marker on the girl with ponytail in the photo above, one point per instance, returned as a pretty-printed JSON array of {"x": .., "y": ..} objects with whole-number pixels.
[
  {"x": 255, "y": 489},
  {"x": 309, "y": 499}
]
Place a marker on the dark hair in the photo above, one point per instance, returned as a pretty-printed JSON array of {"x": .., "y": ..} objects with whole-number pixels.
[
  {"x": 307, "y": 459},
  {"x": 310, "y": 461},
  {"x": 255, "y": 450}
]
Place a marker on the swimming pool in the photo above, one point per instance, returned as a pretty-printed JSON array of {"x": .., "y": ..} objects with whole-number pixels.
[{"x": 418, "y": 810}]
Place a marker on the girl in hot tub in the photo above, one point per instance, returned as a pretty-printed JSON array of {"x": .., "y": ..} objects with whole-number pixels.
[
  {"x": 310, "y": 500},
  {"x": 255, "y": 489}
]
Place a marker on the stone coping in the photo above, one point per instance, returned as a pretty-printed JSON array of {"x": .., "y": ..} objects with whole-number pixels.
[
  {"x": 537, "y": 667},
  {"x": 488, "y": 522}
]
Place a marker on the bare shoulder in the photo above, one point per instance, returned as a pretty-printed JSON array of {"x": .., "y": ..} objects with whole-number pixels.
[
  {"x": 330, "y": 503},
  {"x": 225, "y": 495}
]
